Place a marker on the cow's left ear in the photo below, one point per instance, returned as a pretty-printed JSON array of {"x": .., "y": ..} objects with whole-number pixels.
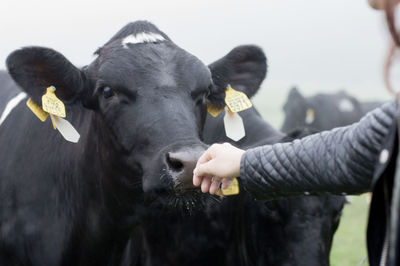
[
  {"x": 36, "y": 68},
  {"x": 244, "y": 68}
]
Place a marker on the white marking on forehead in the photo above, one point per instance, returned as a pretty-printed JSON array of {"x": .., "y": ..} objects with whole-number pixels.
[
  {"x": 143, "y": 37},
  {"x": 346, "y": 105},
  {"x": 11, "y": 105}
]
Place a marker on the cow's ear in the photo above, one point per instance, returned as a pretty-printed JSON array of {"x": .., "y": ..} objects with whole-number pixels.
[
  {"x": 36, "y": 68},
  {"x": 295, "y": 95},
  {"x": 244, "y": 68}
]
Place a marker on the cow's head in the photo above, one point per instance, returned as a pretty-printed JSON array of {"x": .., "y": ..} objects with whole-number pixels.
[
  {"x": 307, "y": 234},
  {"x": 321, "y": 111},
  {"x": 147, "y": 98}
]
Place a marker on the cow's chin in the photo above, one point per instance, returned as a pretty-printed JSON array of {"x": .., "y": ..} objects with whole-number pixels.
[{"x": 186, "y": 201}]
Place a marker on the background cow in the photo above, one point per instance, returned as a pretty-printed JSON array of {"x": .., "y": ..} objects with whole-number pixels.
[
  {"x": 240, "y": 230},
  {"x": 139, "y": 108},
  {"x": 323, "y": 111}
]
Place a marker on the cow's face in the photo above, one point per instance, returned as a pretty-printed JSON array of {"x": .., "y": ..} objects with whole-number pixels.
[{"x": 148, "y": 97}]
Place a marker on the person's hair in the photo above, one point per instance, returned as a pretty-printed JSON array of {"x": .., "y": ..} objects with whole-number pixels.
[{"x": 390, "y": 9}]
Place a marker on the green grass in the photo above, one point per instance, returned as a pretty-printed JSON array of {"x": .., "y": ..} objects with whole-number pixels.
[{"x": 349, "y": 244}]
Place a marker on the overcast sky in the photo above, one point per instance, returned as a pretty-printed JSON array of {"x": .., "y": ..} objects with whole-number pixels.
[{"x": 319, "y": 45}]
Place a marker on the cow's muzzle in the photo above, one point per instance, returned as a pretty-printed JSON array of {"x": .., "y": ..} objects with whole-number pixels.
[{"x": 181, "y": 163}]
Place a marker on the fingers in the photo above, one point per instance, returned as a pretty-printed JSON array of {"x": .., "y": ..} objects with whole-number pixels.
[
  {"x": 226, "y": 183},
  {"x": 216, "y": 182},
  {"x": 197, "y": 180},
  {"x": 208, "y": 168},
  {"x": 207, "y": 155},
  {"x": 205, "y": 184},
  {"x": 201, "y": 168},
  {"x": 217, "y": 162}
]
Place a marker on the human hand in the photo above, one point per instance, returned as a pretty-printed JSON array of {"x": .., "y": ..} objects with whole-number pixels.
[{"x": 220, "y": 163}]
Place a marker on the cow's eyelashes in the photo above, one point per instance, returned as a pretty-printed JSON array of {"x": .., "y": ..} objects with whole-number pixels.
[{"x": 107, "y": 92}]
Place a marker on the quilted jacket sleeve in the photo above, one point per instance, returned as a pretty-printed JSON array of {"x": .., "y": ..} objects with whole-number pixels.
[{"x": 339, "y": 161}]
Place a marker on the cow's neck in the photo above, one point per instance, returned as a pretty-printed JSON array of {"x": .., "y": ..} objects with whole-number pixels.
[{"x": 104, "y": 229}]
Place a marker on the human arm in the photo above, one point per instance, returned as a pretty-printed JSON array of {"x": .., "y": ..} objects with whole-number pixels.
[
  {"x": 339, "y": 161},
  {"x": 332, "y": 162}
]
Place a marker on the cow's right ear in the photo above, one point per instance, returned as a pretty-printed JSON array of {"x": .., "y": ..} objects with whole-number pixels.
[
  {"x": 295, "y": 95},
  {"x": 36, "y": 68}
]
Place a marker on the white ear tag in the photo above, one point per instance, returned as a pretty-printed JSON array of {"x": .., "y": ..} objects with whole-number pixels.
[
  {"x": 66, "y": 129},
  {"x": 234, "y": 128}
]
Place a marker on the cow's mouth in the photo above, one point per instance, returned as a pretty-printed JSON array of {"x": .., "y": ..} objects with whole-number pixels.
[{"x": 186, "y": 201}]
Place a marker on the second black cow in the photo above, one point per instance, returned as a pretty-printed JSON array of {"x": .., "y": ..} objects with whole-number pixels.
[{"x": 239, "y": 230}]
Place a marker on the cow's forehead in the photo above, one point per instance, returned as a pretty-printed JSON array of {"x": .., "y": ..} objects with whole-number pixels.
[{"x": 153, "y": 57}]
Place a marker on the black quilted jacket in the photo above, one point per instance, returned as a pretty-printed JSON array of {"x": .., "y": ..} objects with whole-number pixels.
[{"x": 349, "y": 160}]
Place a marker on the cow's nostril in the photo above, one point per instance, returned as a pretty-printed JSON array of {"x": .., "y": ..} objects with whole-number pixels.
[
  {"x": 174, "y": 163},
  {"x": 181, "y": 163}
]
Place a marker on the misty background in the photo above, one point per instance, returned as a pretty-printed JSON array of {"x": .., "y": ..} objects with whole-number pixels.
[{"x": 317, "y": 45}]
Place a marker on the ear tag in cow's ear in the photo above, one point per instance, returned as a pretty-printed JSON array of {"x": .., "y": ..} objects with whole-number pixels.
[
  {"x": 310, "y": 116},
  {"x": 37, "y": 110},
  {"x": 236, "y": 101},
  {"x": 51, "y": 104},
  {"x": 65, "y": 128},
  {"x": 234, "y": 128},
  {"x": 233, "y": 189},
  {"x": 213, "y": 110}
]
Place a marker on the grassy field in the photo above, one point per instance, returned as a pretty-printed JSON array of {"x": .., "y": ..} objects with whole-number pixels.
[{"x": 349, "y": 246}]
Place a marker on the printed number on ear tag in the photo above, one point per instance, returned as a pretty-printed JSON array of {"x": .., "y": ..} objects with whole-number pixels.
[
  {"x": 213, "y": 110},
  {"x": 234, "y": 128},
  {"x": 236, "y": 101},
  {"x": 37, "y": 110},
  {"x": 233, "y": 189},
  {"x": 51, "y": 104}
]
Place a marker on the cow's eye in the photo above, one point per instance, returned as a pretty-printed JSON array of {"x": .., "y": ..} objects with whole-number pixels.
[
  {"x": 210, "y": 89},
  {"x": 107, "y": 92}
]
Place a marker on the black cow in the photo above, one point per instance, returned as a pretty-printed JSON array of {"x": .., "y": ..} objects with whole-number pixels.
[
  {"x": 139, "y": 108},
  {"x": 240, "y": 231},
  {"x": 323, "y": 111}
]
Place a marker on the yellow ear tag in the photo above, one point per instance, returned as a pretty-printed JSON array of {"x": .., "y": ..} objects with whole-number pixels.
[
  {"x": 233, "y": 189},
  {"x": 236, "y": 101},
  {"x": 214, "y": 111},
  {"x": 52, "y": 104},
  {"x": 37, "y": 110},
  {"x": 310, "y": 116}
]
